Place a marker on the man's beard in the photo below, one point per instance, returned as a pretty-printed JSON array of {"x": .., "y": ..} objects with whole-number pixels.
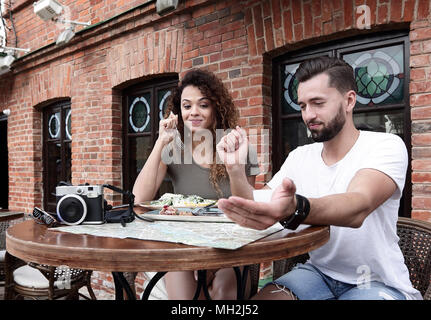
[{"x": 332, "y": 129}]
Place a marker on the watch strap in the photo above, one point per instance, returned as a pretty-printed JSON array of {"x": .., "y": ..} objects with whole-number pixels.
[{"x": 301, "y": 212}]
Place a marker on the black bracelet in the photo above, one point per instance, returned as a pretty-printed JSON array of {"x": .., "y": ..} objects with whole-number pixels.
[{"x": 301, "y": 212}]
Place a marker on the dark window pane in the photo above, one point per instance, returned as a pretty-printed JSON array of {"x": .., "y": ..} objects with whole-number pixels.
[
  {"x": 383, "y": 121},
  {"x": 54, "y": 169},
  {"x": 57, "y": 150},
  {"x": 139, "y": 151},
  {"x": 68, "y": 161},
  {"x": 294, "y": 134}
]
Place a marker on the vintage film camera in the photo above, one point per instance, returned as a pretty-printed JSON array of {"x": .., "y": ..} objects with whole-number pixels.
[{"x": 80, "y": 204}]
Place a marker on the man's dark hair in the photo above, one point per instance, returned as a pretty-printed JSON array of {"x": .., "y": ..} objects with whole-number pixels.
[{"x": 340, "y": 73}]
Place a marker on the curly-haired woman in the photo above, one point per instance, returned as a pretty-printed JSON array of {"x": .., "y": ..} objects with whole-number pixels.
[{"x": 198, "y": 107}]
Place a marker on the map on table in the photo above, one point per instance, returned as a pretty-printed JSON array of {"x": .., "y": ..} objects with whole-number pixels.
[{"x": 216, "y": 235}]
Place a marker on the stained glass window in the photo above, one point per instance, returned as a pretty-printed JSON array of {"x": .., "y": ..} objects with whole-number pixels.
[
  {"x": 140, "y": 114},
  {"x": 290, "y": 89},
  {"x": 379, "y": 75}
]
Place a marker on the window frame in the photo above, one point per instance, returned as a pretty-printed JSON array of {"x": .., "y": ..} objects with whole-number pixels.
[
  {"x": 153, "y": 86},
  {"x": 338, "y": 49},
  {"x": 63, "y": 107}
]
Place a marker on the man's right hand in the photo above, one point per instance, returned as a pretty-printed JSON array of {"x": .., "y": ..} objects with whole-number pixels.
[{"x": 261, "y": 215}]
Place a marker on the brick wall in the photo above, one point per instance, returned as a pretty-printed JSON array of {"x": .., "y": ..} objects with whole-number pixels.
[{"x": 235, "y": 39}]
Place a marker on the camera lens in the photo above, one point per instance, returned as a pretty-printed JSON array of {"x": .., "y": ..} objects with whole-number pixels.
[{"x": 72, "y": 209}]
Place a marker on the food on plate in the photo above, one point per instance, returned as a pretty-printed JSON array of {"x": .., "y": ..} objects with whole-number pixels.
[
  {"x": 180, "y": 200},
  {"x": 169, "y": 210}
]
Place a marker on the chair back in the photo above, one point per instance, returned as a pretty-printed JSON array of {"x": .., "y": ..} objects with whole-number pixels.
[{"x": 415, "y": 243}]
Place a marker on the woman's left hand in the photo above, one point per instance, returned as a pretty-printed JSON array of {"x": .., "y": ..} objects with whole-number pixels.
[{"x": 233, "y": 148}]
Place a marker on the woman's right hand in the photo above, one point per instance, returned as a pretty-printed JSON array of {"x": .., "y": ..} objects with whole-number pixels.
[{"x": 168, "y": 128}]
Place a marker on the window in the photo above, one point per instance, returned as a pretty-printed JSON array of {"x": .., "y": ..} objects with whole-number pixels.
[
  {"x": 57, "y": 141},
  {"x": 381, "y": 70},
  {"x": 143, "y": 107}
]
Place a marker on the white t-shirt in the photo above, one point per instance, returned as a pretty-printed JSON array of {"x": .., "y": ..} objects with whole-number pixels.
[{"x": 370, "y": 252}]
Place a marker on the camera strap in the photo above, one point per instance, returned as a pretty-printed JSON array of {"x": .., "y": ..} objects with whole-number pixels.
[{"x": 122, "y": 216}]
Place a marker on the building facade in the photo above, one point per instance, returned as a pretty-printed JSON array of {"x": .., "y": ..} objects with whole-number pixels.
[{"x": 87, "y": 110}]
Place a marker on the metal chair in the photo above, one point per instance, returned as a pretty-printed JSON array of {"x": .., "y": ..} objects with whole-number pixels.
[
  {"x": 415, "y": 243},
  {"x": 3, "y": 227},
  {"x": 36, "y": 281}
]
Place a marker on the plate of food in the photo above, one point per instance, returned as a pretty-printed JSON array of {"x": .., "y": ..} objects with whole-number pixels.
[
  {"x": 169, "y": 213},
  {"x": 178, "y": 201}
]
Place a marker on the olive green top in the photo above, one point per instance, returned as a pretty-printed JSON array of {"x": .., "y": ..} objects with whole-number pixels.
[{"x": 194, "y": 179}]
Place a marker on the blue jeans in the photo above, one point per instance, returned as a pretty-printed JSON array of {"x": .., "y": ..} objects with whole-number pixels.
[{"x": 308, "y": 283}]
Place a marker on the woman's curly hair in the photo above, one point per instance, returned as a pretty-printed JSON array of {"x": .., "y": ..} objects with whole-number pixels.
[{"x": 226, "y": 114}]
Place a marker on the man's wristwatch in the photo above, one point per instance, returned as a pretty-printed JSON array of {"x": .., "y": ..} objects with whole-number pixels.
[{"x": 301, "y": 212}]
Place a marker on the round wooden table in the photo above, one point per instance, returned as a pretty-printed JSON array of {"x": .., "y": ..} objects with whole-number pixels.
[
  {"x": 33, "y": 242},
  {"x": 6, "y": 215}
]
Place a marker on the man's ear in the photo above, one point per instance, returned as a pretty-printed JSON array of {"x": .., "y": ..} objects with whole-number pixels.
[{"x": 350, "y": 97}]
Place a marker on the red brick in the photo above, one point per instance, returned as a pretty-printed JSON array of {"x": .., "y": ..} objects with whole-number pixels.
[
  {"x": 257, "y": 18},
  {"x": 421, "y": 215},
  {"x": 421, "y": 202},
  {"x": 288, "y": 26},
  {"x": 418, "y": 100},
  {"x": 276, "y": 12},
  {"x": 421, "y": 140},
  {"x": 298, "y": 32},
  {"x": 317, "y": 27},
  {"x": 420, "y": 34},
  {"x": 423, "y": 9},
  {"x": 409, "y": 7},
  {"x": 308, "y": 21},
  {"x": 251, "y": 40},
  {"x": 316, "y": 7},
  {"x": 382, "y": 14},
  {"x": 348, "y": 14},
  {"x": 420, "y": 60},
  {"x": 297, "y": 11},
  {"x": 246, "y": 112},
  {"x": 396, "y": 10},
  {"x": 326, "y": 11},
  {"x": 373, "y": 8},
  {"x": 421, "y": 165},
  {"x": 336, "y": 5},
  {"x": 421, "y": 177},
  {"x": 269, "y": 37}
]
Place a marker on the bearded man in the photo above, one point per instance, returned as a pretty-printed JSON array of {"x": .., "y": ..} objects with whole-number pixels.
[{"x": 349, "y": 179}]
